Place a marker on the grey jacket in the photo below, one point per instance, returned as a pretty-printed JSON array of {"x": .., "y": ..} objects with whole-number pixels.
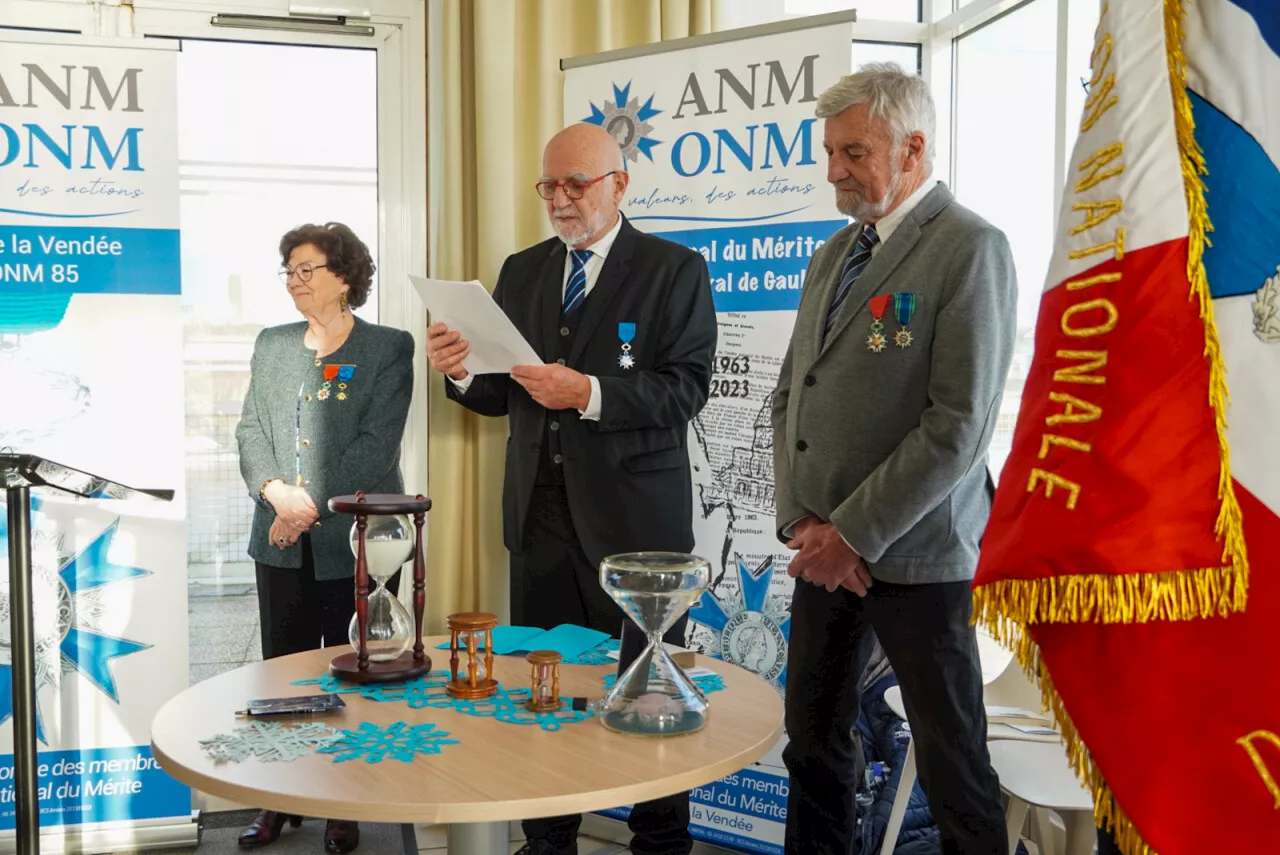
[
  {"x": 891, "y": 447},
  {"x": 351, "y": 428}
]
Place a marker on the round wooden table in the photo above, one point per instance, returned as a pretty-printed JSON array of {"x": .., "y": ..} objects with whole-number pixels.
[{"x": 497, "y": 773}]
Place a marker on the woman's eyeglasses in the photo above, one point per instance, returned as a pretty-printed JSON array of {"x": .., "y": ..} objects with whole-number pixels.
[
  {"x": 573, "y": 188},
  {"x": 303, "y": 271}
]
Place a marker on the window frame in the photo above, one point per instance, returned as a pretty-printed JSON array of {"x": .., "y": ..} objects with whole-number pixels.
[
  {"x": 943, "y": 23},
  {"x": 400, "y": 42}
]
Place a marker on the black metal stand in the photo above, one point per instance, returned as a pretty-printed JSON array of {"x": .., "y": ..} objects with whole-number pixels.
[
  {"x": 22, "y": 648},
  {"x": 19, "y": 473}
]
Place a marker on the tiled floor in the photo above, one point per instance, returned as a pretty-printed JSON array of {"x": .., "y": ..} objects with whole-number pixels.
[
  {"x": 225, "y": 634},
  {"x": 223, "y": 628}
]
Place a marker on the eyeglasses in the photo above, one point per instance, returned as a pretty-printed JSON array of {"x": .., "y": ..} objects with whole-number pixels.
[
  {"x": 572, "y": 188},
  {"x": 303, "y": 271}
]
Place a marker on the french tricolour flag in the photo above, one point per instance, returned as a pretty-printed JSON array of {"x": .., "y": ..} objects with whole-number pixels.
[{"x": 1133, "y": 554}]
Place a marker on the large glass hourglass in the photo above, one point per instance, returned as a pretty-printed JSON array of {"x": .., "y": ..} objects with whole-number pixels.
[
  {"x": 386, "y": 640},
  {"x": 388, "y": 543},
  {"x": 654, "y": 697}
]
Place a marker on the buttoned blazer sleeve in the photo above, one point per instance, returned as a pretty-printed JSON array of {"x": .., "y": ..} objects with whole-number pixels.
[
  {"x": 675, "y": 390},
  {"x": 972, "y": 349},
  {"x": 374, "y": 453},
  {"x": 253, "y": 438}
]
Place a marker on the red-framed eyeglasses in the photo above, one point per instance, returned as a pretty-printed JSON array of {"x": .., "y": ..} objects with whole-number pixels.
[{"x": 573, "y": 188}]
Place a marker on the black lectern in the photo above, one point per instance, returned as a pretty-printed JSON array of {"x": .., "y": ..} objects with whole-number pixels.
[{"x": 21, "y": 472}]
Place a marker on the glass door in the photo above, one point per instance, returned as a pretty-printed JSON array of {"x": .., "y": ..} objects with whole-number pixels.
[{"x": 270, "y": 136}]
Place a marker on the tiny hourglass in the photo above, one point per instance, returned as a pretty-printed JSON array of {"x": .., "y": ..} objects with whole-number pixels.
[
  {"x": 386, "y": 640},
  {"x": 470, "y": 674},
  {"x": 544, "y": 691},
  {"x": 654, "y": 697}
]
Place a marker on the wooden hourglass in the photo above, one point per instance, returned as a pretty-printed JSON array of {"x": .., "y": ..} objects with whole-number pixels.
[
  {"x": 467, "y": 633},
  {"x": 544, "y": 691},
  {"x": 380, "y": 660}
]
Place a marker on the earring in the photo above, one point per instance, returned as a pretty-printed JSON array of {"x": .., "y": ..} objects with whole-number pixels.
[{"x": 344, "y": 301}]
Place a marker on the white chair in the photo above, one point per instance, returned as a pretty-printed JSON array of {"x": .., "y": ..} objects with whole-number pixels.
[
  {"x": 1004, "y": 687},
  {"x": 1037, "y": 775}
]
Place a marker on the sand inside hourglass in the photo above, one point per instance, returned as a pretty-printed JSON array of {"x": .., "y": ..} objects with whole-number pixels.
[{"x": 389, "y": 629}]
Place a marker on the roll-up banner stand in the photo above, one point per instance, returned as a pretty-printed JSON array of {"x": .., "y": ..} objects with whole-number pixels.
[
  {"x": 725, "y": 157},
  {"x": 91, "y": 365}
]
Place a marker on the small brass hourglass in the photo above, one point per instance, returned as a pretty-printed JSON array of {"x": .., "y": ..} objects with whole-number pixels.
[
  {"x": 544, "y": 692},
  {"x": 467, "y": 633}
]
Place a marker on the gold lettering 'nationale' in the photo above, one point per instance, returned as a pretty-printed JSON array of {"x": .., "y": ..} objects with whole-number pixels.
[
  {"x": 1076, "y": 410},
  {"x": 1268, "y": 780},
  {"x": 1052, "y": 481},
  {"x": 1047, "y": 440},
  {"x": 1100, "y": 85},
  {"x": 1116, "y": 246},
  {"x": 1093, "y": 360},
  {"x": 1095, "y": 165},
  {"x": 1097, "y": 213},
  {"x": 1089, "y": 317},
  {"x": 1099, "y": 279},
  {"x": 1103, "y": 304}
]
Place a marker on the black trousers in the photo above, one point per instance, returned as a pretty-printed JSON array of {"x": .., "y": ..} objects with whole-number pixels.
[
  {"x": 1107, "y": 844},
  {"x": 925, "y": 632},
  {"x": 553, "y": 582},
  {"x": 299, "y": 612}
]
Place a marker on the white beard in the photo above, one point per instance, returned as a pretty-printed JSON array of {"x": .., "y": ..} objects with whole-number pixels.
[
  {"x": 853, "y": 204},
  {"x": 573, "y": 232}
]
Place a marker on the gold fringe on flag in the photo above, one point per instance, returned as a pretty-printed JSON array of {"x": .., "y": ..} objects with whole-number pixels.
[
  {"x": 1007, "y": 607},
  {"x": 1128, "y": 598}
]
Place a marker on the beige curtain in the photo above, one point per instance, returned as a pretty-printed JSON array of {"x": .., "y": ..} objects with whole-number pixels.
[{"x": 494, "y": 98}]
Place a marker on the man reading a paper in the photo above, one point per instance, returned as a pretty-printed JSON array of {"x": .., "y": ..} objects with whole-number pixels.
[{"x": 597, "y": 462}]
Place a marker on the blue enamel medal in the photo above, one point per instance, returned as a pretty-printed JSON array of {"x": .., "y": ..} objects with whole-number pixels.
[{"x": 626, "y": 332}]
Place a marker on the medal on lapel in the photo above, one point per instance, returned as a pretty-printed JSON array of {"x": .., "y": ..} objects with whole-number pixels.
[
  {"x": 341, "y": 373},
  {"x": 904, "y": 306},
  {"x": 626, "y": 332},
  {"x": 876, "y": 341}
]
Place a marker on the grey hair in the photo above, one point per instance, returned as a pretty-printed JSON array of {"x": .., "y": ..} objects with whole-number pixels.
[{"x": 901, "y": 99}]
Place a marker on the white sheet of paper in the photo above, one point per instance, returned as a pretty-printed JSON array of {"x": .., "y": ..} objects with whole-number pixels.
[{"x": 496, "y": 345}]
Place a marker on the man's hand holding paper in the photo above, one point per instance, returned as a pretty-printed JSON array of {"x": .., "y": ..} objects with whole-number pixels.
[{"x": 472, "y": 335}]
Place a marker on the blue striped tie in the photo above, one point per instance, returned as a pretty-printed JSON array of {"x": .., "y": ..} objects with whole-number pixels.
[
  {"x": 858, "y": 260},
  {"x": 575, "y": 291}
]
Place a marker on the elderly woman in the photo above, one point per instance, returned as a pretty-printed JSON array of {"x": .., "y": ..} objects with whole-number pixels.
[{"x": 324, "y": 416}]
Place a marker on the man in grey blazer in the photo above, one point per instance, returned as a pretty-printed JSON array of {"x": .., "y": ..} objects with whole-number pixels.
[{"x": 885, "y": 405}]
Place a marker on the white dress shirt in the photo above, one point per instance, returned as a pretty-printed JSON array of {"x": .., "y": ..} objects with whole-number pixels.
[
  {"x": 595, "y": 263},
  {"x": 889, "y": 223}
]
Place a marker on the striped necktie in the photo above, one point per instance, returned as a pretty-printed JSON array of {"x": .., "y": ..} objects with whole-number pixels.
[
  {"x": 858, "y": 260},
  {"x": 575, "y": 291}
]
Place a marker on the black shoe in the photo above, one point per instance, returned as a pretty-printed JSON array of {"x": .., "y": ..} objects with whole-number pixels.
[
  {"x": 341, "y": 837},
  {"x": 266, "y": 828}
]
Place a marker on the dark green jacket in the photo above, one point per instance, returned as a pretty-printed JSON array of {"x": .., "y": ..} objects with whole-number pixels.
[{"x": 351, "y": 407}]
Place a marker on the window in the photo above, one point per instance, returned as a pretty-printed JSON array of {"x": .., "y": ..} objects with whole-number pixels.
[
  {"x": 312, "y": 157},
  {"x": 1005, "y": 125},
  {"x": 868, "y": 10},
  {"x": 907, "y": 56}
]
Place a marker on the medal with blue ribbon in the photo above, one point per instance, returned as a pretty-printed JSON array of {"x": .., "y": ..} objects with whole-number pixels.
[
  {"x": 626, "y": 332},
  {"x": 904, "y": 306}
]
